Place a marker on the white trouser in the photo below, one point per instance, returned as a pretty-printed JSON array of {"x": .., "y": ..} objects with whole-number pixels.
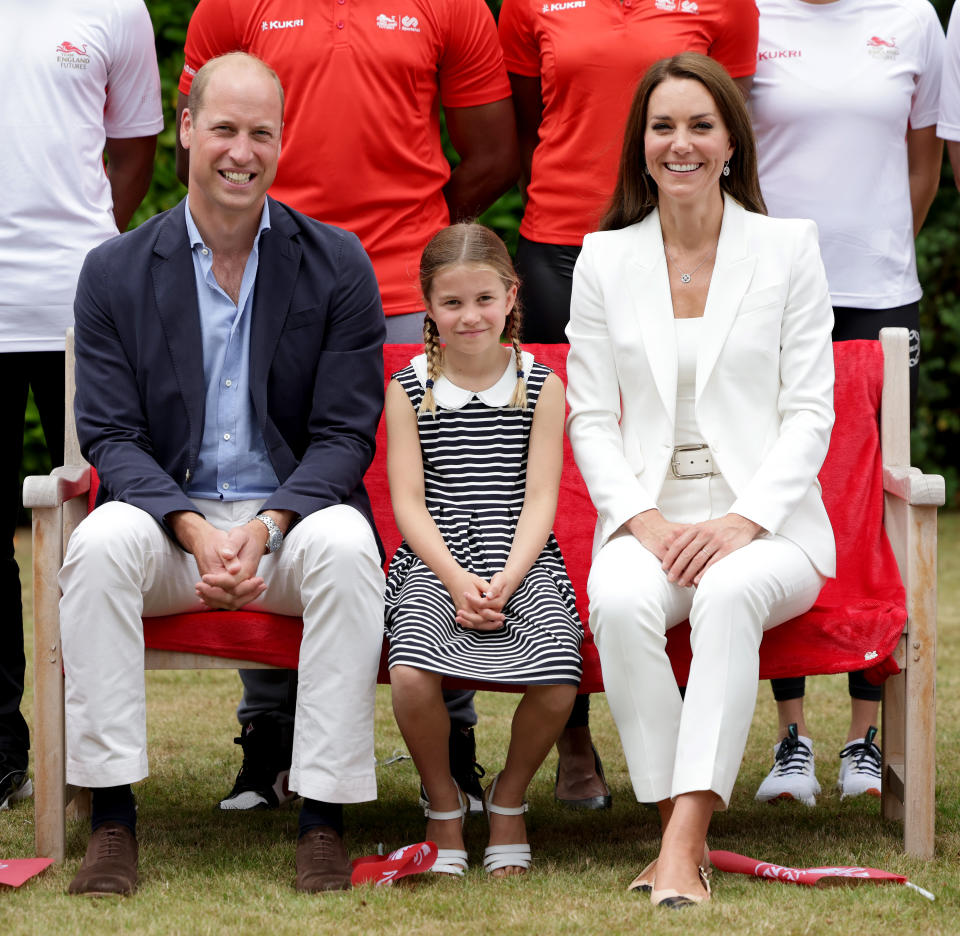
[
  {"x": 675, "y": 745},
  {"x": 121, "y": 566}
]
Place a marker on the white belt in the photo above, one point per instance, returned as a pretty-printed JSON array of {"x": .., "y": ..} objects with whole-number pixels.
[{"x": 692, "y": 461}]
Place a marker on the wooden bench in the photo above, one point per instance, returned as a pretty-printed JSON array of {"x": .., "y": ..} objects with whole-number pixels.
[{"x": 864, "y": 618}]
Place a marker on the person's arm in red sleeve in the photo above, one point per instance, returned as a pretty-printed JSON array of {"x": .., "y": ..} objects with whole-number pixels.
[
  {"x": 485, "y": 138},
  {"x": 211, "y": 32},
  {"x": 475, "y": 94},
  {"x": 735, "y": 45}
]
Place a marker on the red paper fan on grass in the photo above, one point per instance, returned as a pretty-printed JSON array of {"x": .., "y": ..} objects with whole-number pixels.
[
  {"x": 384, "y": 870},
  {"x": 814, "y": 877}
]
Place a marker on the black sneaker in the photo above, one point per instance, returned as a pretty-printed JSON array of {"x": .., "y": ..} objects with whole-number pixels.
[
  {"x": 14, "y": 783},
  {"x": 263, "y": 781},
  {"x": 463, "y": 768}
]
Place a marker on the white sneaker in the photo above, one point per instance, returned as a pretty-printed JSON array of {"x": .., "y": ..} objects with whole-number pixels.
[
  {"x": 860, "y": 767},
  {"x": 792, "y": 776}
]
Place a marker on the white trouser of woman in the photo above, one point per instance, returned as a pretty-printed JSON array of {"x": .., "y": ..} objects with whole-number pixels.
[
  {"x": 121, "y": 565},
  {"x": 675, "y": 745}
]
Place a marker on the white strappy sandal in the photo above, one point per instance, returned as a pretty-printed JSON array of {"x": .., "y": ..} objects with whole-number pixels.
[
  {"x": 504, "y": 856},
  {"x": 449, "y": 860}
]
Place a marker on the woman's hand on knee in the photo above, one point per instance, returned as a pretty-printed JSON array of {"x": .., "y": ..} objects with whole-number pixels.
[
  {"x": 703, "y": 544},
  {"x": 655, "y": 532}
]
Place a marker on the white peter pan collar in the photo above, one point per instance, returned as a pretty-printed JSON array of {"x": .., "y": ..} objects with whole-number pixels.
[{"x": 451, "y": 397}]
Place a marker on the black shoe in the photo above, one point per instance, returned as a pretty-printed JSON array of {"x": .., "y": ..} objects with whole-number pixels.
[
  {"x": 463, "y": 768},
  {"x": 14, "y": 783},
  {"x": 262, "y": 783}
]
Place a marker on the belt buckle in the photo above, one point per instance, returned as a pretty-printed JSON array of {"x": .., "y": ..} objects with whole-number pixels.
[{"x": 675, "y": 466}]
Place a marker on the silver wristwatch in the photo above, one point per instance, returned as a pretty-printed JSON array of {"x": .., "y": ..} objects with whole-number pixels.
[{"x": 274, "y": 533}]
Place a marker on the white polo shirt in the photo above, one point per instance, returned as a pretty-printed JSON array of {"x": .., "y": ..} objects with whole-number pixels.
[
  {"x": 948, "y": 126},
  {"x": 836, "y": 88},
  {"x": 73, "y": 72}
]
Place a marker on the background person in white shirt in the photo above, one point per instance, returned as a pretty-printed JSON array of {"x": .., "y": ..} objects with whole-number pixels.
[
  {"x": 844, "y": 106},
  {"x": 948, "y": 125},
  {"x": 83, "y": 81}
]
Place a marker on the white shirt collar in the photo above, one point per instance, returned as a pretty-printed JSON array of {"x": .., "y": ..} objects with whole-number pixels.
[{"x": 451, "y": 397}]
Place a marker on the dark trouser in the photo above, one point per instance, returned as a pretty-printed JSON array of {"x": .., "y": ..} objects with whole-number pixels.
[
  {"x": 850, "y": 325},
  {"x": 546, "y": 275},
  {"x": 19, "y": 371}
]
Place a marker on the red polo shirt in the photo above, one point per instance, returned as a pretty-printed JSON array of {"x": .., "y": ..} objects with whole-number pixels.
[
  {"x": 589, "y": 56},
  {"x": 363, "y": 83}
]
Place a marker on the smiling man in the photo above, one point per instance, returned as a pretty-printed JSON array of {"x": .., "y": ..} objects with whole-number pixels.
[{"x": 229, "y": 386}]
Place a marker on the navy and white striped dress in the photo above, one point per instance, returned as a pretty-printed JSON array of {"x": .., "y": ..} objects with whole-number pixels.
[{"x": 475, "y": 468}]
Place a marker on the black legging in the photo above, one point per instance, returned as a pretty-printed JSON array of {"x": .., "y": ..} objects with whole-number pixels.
[
  {"x": 850, "y": 325},
  {"x": 546, "y": 276}
]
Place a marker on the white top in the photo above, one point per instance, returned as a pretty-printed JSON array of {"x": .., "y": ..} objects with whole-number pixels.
[
  {"x": 73, "y": 73},
  {"x": 688, "y": 346},
  {"x": 837, "y": 86},
  {"x": 948, "y": 126}
]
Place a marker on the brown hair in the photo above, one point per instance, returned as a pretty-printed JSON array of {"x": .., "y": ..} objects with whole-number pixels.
[
  {"x": 470, "y": 244},
  {"x": 635, "y": 195},
  {"x": 198, "y": 87}
]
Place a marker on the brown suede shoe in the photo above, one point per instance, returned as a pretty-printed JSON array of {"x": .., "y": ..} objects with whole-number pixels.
[
  {"x": 110, "y": 865},
  {"x": 322, "y": 862}
]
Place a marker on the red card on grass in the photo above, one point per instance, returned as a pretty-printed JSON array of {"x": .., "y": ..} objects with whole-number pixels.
[
  {"x": 384, "y": 870},
  {"x": 14, "y": 871}
]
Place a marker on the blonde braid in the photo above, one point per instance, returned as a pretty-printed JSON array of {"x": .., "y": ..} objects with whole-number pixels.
[
  {"x": 431, "y": 341},
  {"x": 519, "y": 398}
]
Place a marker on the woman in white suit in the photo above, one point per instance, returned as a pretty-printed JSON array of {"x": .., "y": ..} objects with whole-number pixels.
[{"x": 700, "y": 388}]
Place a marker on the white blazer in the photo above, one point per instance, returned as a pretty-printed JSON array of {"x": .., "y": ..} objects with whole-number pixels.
[{"x": 764, "y": 388}]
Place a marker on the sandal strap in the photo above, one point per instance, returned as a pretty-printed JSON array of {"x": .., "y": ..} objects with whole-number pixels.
[
  {"x": 506, "y": 856},
  {"x": 450, "y": 861},
  {"x": 459, "y": 813},
  {"x": 448, "y": 814},
  {"x": 492, "y": 807},
  {"x": 507, "y": 810}
]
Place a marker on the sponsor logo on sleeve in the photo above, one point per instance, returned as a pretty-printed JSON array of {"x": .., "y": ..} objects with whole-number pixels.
[
  {"x": 71, "y": 56},
  {"x": 268, "y": 25},
  {"x": 879, "y": 47}
]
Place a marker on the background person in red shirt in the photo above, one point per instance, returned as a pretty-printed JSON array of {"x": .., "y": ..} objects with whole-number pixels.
[
  {"x": 362, "y": 150},
  {"x": 573, "y": 69}
]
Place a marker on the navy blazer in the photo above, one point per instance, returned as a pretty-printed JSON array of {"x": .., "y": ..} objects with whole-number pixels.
[{"x": 316, "y": 364}]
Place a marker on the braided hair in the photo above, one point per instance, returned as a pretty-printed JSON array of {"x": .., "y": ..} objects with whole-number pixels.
[{"x": 471, "y": 244}]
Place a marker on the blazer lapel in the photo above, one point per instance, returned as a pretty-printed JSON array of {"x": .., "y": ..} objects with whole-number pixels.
[
  {"x": 174, "y": 287},
  {"x": 276, "y": 277},
  {"x": 732, "y": 273},
  {"x": 649, "y": 285}
]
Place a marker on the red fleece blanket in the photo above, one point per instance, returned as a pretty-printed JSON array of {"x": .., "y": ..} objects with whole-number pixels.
[{"x": 855, "y": 623}]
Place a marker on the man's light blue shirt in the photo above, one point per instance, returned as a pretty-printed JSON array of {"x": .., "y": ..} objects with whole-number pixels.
[{"x": 233, "y": 462}]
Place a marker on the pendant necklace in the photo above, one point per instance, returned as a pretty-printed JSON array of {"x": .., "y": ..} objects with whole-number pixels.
[{"x": 686, "y": 277}]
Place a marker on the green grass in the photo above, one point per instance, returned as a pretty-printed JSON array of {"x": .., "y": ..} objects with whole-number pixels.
[{"x": 205, "y": 872}]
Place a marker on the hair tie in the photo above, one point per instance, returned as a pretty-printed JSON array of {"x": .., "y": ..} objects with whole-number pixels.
[
  {"x": 429, "y": 383},
  {"x": 520, "y": 374}
]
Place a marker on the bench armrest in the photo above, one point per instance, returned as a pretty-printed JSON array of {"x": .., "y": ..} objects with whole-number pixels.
[
  {"x": 61, "y": 485},
  {"x": 914, "y": 487}
]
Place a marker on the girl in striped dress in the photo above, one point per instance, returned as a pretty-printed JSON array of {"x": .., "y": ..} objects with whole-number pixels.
[{"x": 478, "y": 587}]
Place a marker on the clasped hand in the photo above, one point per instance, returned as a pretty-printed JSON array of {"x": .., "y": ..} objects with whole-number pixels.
[
  {"x": 228, "y": 563},
  {"x": 687, "y": 550},
  {"x": 479, "y": 604}
]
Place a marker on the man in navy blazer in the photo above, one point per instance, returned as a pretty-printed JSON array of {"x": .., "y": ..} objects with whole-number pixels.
[{"x": 229, "y": 386}]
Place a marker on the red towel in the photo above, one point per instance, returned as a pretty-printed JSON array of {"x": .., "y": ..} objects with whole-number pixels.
[{"x": 855, "y": 624}]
